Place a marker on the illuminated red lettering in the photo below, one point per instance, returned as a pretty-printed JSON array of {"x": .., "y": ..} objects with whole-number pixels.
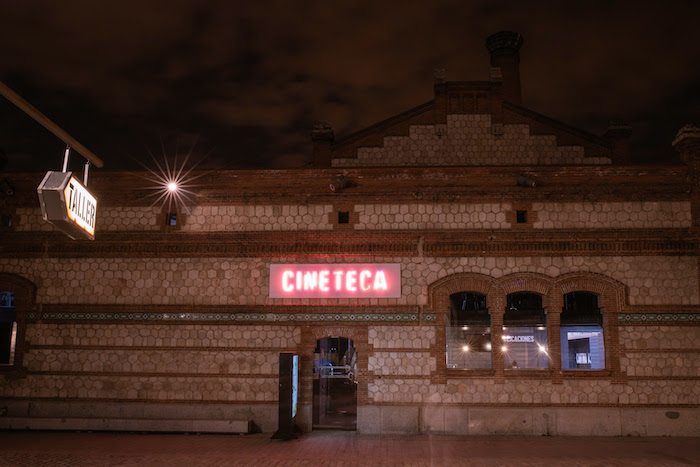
[
  {"x": 380, "y": 281},
  {"x": 365, "y": 276},
  {"x": 323, "y": 280},
  {"x": 310, "y": 280},
  {"x": 350, "y": 281},
  {"x": 287, "y": 285},
  {"x": 338, "y": 280}
]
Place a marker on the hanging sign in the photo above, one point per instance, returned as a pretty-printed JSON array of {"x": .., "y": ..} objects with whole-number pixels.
[
  {"x": 380, "y": 280},
  {"x": 68, "y": 205}
]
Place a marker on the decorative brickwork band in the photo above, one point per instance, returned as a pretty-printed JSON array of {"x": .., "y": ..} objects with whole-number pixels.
[
  {"x": 226, "y": 317},
  {"x": 654, "y": 318}
]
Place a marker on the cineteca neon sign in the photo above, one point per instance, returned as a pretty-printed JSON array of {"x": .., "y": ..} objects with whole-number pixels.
[{"x": 376, "y": 280}]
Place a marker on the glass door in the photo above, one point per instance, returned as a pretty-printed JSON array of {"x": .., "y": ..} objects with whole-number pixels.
[{"x": 335, "y": 384}]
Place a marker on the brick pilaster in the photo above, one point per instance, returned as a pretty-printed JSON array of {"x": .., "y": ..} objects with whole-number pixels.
[
  {"x": 497, "y": 305},
  {"x": 554, "y": 304}
]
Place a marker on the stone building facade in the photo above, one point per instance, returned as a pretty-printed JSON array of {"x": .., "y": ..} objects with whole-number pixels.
[{"x": 479, "y": 200}]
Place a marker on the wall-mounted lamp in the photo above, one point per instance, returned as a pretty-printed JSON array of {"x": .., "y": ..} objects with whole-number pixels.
[
  {"x": 338, "y": 184},
  {"x": 526, "y": 181}
]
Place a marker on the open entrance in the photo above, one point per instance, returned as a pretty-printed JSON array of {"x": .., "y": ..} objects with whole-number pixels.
[{"x": 335, "y": 384}]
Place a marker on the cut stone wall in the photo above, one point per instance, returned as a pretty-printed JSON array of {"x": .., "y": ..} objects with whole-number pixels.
[
  {"x": 144, "y": 388},
  {"x": 432, "y": 216},
  {"x": 659, "y": 364},
  {"x": 256, "y": 218},
  {"x": 468, "y": 140},
  {"x": 629, "y": 215},
  {"x": 242, "y": 218},
  {"x": 158, "y": 362},
  {"x": 535, "y": 391},
  {"x": 213, "y": 281},
  {"x": 402, "y": 363},
  {"x": 528, "y": 421},
  {"x": 401, "y": 337},
  {"x": 660, "y": 337},
  {"x": 163, "y": 335},
  {"x": 183, "y": 360}
]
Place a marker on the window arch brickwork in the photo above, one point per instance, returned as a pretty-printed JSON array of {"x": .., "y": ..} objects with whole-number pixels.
[
  {"x": 527, "y": 282},
  {"x": 439, "y": 301},
  {"x": 612, "y": 299}
]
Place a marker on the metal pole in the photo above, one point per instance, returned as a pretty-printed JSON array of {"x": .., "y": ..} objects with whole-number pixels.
[
  {"x": 85, "y": 173},
  {"x": 65, "y": 158},
  {"x": 27, "y": 108}
]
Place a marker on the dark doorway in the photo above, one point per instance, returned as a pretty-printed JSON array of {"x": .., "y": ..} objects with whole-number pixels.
[{"x": 335, "y": 384}]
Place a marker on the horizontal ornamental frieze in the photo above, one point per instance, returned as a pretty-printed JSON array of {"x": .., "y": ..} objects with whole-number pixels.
[
  {"x": 228, "y": 317},
  {"x": 658, "y": 318}
]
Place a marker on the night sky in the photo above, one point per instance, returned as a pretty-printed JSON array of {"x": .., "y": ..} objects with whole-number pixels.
[{"x": 242, "y": 83}]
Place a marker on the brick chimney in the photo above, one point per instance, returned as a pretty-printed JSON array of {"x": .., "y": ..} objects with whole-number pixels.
[
  {"x": 322, "y": 137},
  {"x": 619, "y": 134},
  {"x": 504, "y": 47}
]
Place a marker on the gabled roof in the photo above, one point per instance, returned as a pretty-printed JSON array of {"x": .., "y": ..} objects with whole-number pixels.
[{"x": 513, "y": 125}]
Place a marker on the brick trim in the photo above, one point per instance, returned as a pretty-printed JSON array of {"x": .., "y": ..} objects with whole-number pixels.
[{"x": 526, "y": 282}]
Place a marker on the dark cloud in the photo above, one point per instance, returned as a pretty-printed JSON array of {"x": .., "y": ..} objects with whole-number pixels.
[{"x": 247, "y": 80}]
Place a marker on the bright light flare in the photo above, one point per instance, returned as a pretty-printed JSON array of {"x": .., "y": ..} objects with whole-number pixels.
[
  {"x": 465, "y": 348},
  {"x": 172, "y": 182},
  {"x": 504, "y": 349}
]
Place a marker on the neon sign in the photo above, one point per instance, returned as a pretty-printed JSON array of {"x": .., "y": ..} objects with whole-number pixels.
[{"x": 335, "y": 280}]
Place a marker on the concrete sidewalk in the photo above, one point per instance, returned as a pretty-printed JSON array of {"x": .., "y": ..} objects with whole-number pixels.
[{"x": 335, "y": 448}]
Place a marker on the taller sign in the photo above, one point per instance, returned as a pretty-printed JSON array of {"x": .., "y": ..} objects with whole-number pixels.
[
  {"x": 335, "y": 280},
  {"x": 68, "y": 205}
]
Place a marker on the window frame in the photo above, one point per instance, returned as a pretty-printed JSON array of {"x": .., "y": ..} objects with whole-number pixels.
[
  {"x": 454, "y": 322},
  {"x": 600, "y": 322}
]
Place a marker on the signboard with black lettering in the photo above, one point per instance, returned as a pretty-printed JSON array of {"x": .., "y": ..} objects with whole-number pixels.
[{"x": 68, "y": 205}]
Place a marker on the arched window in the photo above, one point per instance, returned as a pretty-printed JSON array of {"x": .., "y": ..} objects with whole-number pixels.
[
  {"x": 524, "y": 332},
  {"x": 468, "y": 332},
  {"x": 582, "y": 344}
]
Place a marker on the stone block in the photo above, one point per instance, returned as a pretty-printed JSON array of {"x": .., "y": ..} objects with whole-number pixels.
[
  {"x": 399, "y": 420},
  {"x": 456, "y": 421},
  {"x": 368, "y": 419},
  {"x": 496, "y": 421},
  {"x": 544, "y": 421},
  {"x": 433, "y": 420},
  {"x": 633, "y": 422},
  {"x": 588, "y": 422},
  {"x": 304, "y": 418},
  {"x": 673, "y": 422}
]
